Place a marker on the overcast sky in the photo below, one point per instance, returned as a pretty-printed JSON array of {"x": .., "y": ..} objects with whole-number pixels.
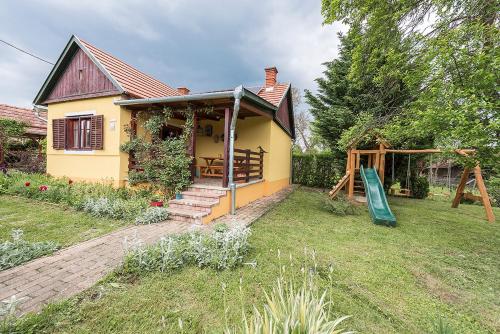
[{"x": 201, "y": 44}]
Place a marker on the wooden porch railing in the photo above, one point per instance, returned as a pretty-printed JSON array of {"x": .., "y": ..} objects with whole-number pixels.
[{"x": 248, "y": 165}]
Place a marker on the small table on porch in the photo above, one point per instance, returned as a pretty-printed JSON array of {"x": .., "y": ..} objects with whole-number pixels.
[{"x": 215, "y": 169}]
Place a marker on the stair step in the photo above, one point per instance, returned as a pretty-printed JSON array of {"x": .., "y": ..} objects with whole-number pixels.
[
  {"x": 193, "y": 205},
  {"x": 192, "y": 202},
  {"x": 207, "y": 189},
  {"x": 188, "y": 216},
  {"x": 200, "y": 196}
]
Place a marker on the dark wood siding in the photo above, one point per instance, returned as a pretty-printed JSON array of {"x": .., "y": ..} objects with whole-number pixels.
[
  {"x": 81, "y": 78},
  {"x": 283, "y": 114}
]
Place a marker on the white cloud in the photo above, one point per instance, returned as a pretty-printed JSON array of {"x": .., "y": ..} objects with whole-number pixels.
[
  {"x": 124, "y": 16},
  {"x": 20, "y": 78},
  {"x": 295, "y": 41}
]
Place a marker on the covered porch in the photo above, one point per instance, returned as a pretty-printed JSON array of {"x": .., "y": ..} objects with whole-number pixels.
[{"x": 230, "y": 136}]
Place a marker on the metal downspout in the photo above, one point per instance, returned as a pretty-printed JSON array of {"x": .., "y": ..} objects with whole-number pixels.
[{"x": 238, "y": 94}]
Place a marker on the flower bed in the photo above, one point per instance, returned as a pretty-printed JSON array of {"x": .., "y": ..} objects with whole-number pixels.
[{"x": 100, "y": 200}]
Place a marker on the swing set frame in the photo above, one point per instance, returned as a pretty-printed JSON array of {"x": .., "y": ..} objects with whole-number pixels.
[{"x": 376, "y": 160}]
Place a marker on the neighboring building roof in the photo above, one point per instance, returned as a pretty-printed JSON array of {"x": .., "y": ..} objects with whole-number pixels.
[
  {"x": 133, "y": 81},
  {"x": 35, "y": 125}
]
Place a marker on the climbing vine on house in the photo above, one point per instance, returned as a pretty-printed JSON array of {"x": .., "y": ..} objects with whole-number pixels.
[{"x": 164, "y": 163}]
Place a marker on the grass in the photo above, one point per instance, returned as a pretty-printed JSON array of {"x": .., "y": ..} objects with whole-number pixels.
[
  {"x": 42, "y": 221},
  {"x": 439, "y": 265}
]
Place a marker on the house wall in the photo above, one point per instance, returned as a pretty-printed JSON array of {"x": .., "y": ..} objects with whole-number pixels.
[
  {"x": 106, "y": 165},
  {"x": 111, "y": 165},
  {"x": 252, "y": 132}
]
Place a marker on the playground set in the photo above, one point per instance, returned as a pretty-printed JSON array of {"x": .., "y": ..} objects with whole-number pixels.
[{"x": 360, "y": 180}]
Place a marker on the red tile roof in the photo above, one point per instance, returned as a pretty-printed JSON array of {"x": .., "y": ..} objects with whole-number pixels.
[
  {"x": 133, "y": 81},
  {"x": 274, "y": 94},
  {"x": 35, "y": 125}
]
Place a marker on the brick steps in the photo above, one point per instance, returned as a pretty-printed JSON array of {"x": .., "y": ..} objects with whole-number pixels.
[{"x": 197, "y": 202}]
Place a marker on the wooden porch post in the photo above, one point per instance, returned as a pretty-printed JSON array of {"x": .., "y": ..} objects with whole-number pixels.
[{"x": 227, "y": 123}]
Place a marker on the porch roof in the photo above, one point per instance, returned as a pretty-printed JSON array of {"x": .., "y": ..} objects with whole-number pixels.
[{"x": 251, "y": 104}]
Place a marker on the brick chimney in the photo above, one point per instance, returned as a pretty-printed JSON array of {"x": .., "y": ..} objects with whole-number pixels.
[
  {"x": 271, "y": 76},
  {"x": 183, "y": 90}
]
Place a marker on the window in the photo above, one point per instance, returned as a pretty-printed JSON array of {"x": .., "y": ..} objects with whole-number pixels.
[{"x": 78, "y": 133}]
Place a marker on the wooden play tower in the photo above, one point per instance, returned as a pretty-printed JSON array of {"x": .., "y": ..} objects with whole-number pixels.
[{"x": 375, "y": 158}]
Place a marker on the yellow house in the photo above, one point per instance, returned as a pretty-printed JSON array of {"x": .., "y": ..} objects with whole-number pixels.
[{"x": 241, "y": 150}]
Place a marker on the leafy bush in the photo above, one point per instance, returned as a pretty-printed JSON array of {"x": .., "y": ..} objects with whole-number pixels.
[
  {"x": 340, "y": 205},
  {"x": 292, "y": 310},
  {"x": 100, "y": 200},
  {"x": 419, "y": 187},
  {"x": 17, "y": 251},
  {"x": 493, "y": 185},
  {"x": 321, "y": 170},
  {"x": 152, "y": 215},
  {"x": 220, "y": 249}
]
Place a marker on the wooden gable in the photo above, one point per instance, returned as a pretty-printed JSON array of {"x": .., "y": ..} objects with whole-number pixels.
[
  {"x": 81, "y": 78},
  {"x": 284, "y": 114}
]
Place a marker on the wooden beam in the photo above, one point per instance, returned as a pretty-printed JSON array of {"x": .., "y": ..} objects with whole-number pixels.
[
  {"x": 381, "y": 169},
  {"x": 429, "y": 150},
  {"x": 484, "y": 194},
  {"x": 352, "y": 168},
  {"x": 249, "y": 107},
  {"x": 460, "y": 188},
  {"x": 228, "y": 113}
]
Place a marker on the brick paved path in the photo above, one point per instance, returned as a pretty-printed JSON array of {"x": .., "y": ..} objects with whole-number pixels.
[
  {"x": 77, "y": 268},
  {"x": 251, "y": 212}
]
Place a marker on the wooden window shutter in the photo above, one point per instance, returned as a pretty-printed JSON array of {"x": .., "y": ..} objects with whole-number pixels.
[
  {"x": 96, "y": 132},
  {"x": 58, "y": 133}
]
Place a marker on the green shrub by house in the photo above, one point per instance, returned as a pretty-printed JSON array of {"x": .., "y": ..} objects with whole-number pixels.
[{"x": 321, "y": 170}]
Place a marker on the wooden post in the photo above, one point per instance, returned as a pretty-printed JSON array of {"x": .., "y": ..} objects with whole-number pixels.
[
  {"x": 227, "y": 124},
  {"x": 247, "y": 165},
  {"x": 347, "y": 169},
  {"x": 352, "y": 168},
  {"x": 358, "y": 160},
  {"x": 460, "y": 188},
  {"x": 484, "y": 194},
  {"x": 377, "y": 161},
  {"x": 381, "y": 170},
  {"x": 261, "y": 163}
]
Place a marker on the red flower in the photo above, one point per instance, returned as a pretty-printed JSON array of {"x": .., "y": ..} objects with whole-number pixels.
[
  {"x": 27, "y": 184},
  {"x": 43, "y": 188}
]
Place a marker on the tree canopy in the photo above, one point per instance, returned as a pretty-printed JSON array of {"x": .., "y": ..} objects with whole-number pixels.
[{"x": 426, "y": 70}]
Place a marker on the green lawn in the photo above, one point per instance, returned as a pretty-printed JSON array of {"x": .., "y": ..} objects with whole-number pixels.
[
  {"x": 42, "y": 221},
  {"x": 438, "y": 263}
]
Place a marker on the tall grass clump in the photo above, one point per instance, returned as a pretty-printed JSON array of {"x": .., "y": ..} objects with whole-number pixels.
[
  {"x": 221, "y": 249},
  {"x": 17, "y": 251},
  {"x": 293, "y": 308},
  {"x": 340, "y": 205}
]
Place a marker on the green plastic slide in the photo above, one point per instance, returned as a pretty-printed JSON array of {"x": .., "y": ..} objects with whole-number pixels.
[{"x": 375, "y": 196}]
